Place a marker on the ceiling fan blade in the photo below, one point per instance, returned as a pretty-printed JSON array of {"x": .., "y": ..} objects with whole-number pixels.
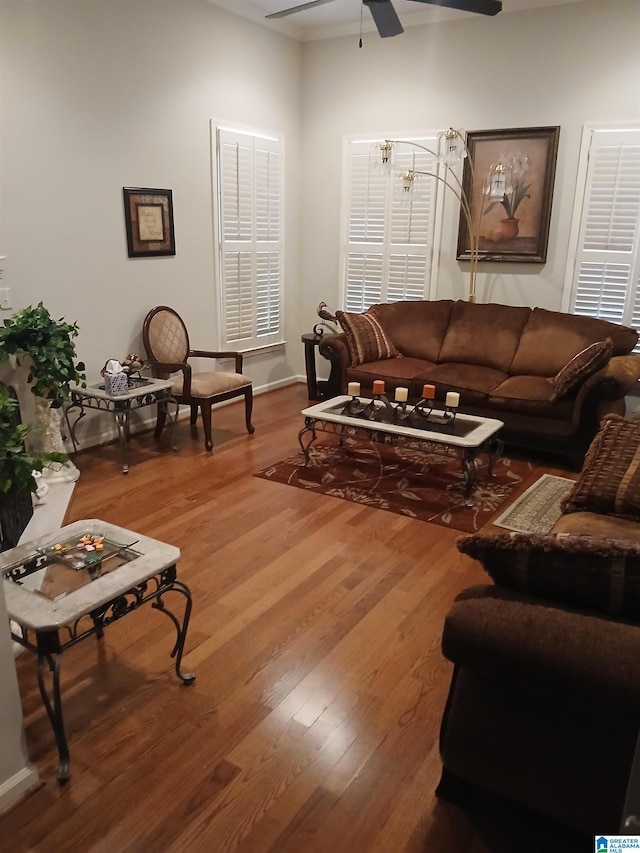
[
  {"x": 480, "y": 7},
  {"x": 384, "y": 17},
  {"x": 293, "y": 9}
]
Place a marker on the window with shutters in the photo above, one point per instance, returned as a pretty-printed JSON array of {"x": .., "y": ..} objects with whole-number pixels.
[
  {"x": 388, "y": 243},
  {"x": 249, "y": 193},
  {"x": 603, "y": 277}
]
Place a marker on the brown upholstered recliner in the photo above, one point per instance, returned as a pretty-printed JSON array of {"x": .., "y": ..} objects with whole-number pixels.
[{"x": 166, "y": 341}]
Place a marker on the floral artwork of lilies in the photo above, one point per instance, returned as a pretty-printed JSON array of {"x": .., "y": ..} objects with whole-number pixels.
[{"x": 518, "y": 166}]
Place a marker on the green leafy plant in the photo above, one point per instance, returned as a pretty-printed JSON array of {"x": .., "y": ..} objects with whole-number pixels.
[
  {"x": 16, "y": 462},
  {"x": 50, "y": 344}
]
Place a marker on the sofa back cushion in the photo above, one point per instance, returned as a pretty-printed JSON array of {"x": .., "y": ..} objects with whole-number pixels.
[
  {"x": 552, "y": 338},
  {"x": 485, "y": 334},
  {"x": 417, "y": 328}
]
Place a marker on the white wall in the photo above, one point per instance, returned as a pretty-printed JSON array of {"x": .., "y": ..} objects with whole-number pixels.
[
  {"x": 101, "y": 95},
  {"x": 16, "y": 774},
  {"x": 563, "y": 65}
]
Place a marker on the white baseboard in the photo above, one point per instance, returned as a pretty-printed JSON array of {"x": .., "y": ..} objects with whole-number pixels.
[{"x": 17, "y": 786}]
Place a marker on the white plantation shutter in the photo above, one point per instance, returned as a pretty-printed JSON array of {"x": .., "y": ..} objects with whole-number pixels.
[
  {"x": 388, "y": 243},
  {"x": 250, "y": 238},
  {"x": 606, "y": 277}
]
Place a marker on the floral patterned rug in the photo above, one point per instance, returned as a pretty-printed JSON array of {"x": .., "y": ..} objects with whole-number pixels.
[{"x": 423, "y": 484}]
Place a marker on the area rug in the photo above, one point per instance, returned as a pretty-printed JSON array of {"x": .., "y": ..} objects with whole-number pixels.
[
  {"x": 427, "y": 485},
  {"x": 537, "y": 509}
]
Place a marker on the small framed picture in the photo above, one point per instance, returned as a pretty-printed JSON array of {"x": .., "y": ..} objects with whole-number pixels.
[{"x": 148, "y": 215}]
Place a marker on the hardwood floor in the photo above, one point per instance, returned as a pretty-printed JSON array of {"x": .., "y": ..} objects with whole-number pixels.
[{"x": 315, "y": 637}]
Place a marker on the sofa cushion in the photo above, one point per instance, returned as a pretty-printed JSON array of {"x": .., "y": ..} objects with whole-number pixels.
[
  {"x": 598, "y": 525},
  {"x": 485, "y": 334},
  {"x": 416, "y": 328},
  {"x": 590, "y": 572},
  {"x": 584, "y": 364},
  {"x": 610, "y": 478},
  {"x": 530, "y": 395},
  {"x": 551, "y": 339},
  {"x": 366, "y": 339},
  {"x": 394, "y": 371},
  {"x": 459, "y": 377}
]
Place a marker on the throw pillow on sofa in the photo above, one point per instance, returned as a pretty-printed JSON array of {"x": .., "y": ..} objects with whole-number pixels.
[
  {"x": 588, "y": 361},
  {"x": 609, "y": 482},
  {"x": 589, "y": 572},
  {"x": 366, "y": 339}
]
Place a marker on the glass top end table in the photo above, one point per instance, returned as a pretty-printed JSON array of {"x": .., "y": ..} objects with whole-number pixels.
[
  {"x": 70, "y": 585},
  {"x": 142, "y": 391}
]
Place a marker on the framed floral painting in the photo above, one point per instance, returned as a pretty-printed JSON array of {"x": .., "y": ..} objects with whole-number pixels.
[{"x": 514, "y": 227}]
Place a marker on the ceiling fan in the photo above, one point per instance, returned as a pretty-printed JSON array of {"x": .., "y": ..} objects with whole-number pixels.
[{"x": 386, "y": 19}]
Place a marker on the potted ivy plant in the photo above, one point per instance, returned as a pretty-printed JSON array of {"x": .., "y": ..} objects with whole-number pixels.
[
  {"x": 50, "y": 346},
  {"x": 17, "y": 464}
]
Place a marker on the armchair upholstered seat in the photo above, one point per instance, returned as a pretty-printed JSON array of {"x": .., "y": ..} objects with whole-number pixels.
[{"x": 166, "y": 342}]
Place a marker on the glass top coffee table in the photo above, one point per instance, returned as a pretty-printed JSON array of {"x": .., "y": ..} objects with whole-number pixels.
[
  {"x": 392, "y": 423},
  {"x": 67, "y": 586}
]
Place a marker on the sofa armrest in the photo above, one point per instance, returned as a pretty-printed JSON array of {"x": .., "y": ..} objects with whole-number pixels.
[
  {"x": 512, "y": 636},
  {"x": 334, "y": 348},
  {"x": 610, "y": 384}
]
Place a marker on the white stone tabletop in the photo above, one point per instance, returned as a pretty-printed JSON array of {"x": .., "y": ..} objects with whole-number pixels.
[{"x": 93, "y": 389}]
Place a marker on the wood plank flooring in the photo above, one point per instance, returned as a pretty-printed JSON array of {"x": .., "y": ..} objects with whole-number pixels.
[{"x": 315, "y": 637}]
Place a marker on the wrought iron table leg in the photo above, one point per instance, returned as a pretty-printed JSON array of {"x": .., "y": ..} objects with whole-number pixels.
[
  {"x": 309, "y": 427},
  {"x": 72, "y": 426},
  {"x": 54, "y": 710},
  {"x": 122, "y": 422},
  {"x": 495, "y": 452},
  {"x": 178, "y": 649},
  {"x": 469, "y": 469}
]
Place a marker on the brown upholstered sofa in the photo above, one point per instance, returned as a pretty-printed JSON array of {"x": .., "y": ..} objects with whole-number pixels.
[
  {"x": 544, "y": 705},
  {"x": 502, "y": 359}
]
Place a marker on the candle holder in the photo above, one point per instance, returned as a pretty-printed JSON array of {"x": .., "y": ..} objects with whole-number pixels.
[
  {"x": 355, "y": 407},
  {"x": 401, "y": 412},
  {"x": 446, "y": 416},
  {"x": 386, "y": 408}
]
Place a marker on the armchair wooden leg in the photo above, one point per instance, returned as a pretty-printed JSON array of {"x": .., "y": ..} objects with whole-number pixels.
[
  {"x": 248, "y": 408},
  {"x": 194, "y": 414},
  {"x": 205, "y": 408},
  {"x": 160, "y": 420}
]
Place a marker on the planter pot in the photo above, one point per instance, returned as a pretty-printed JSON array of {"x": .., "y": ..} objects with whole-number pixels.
[
  {"x": 509, "y": 228},
  {"x": 49, "y": 426},
  {"x": 16, "y": 509}
]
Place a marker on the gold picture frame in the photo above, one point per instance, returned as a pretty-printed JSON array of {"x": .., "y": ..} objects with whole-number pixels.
[{"x": 516, "y": 229}]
